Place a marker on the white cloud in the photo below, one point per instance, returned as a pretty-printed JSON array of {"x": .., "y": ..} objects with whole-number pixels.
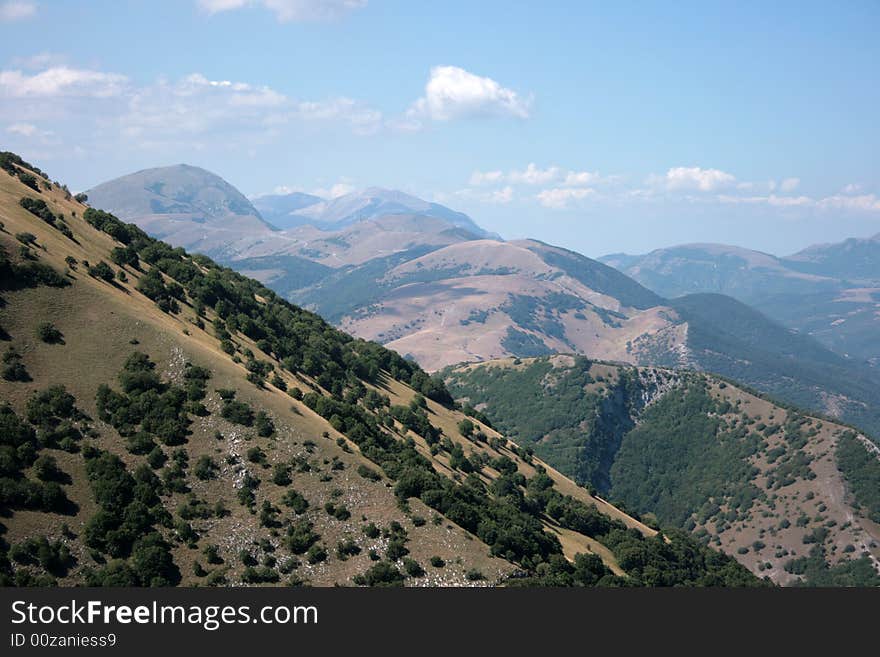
[
  {"x": 453, "y": 93},
  {"x": 23, "y": 129},
  {"x": 532, "y": 175},
  {"x": 17, "y": 10},
  {"x": 61, "y": 81},
  {"x": 339, "y": 189},
  {"x": 486, "y": 177},
  {"x": 560, "y": 197},
  {"x": 770, "y": 199},
  {"x": 851, "y": 188},
  {"x": 695, "y": 178},
  {"x": 501, "y": 196},
  {"x": 363, "y": 119},
  {"x": 32, "y": 133},
  {"x": 196, "y": 106},
  {"x": 105, "y": 110},
  {"x": 290, "y": 10},
  {"x": 789, "y": 184},
  {"x": 42, "y": 60},
  {"x": 864, "y": 202},
  {"x": 584, "y": 178}
]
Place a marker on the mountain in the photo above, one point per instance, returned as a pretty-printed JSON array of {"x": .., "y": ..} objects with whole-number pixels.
[
  {"x": 790, "y": 495},
  {"x": 737, "y": 272},
  {"x": 165, "y": 420},
  {"x": 185, "y": 205},
  {"x": 280, "y": 209},
  {"x": 375, "y": 202},
  {"x": 440, "y": 294},
  {"x": 855, "y": 260},
  {"x": 479, "y": 299},
  {"x": 830, "y": 291}
]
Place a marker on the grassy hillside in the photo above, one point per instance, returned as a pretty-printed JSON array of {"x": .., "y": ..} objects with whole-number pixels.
[
  {"x": 789, "y": 495},
  {"x": 165, "y": 420}
]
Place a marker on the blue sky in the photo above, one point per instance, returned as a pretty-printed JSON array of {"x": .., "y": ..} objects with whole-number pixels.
[{"x": 598, "y": 126}]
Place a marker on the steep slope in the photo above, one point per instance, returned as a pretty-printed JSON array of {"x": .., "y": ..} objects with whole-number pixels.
[
  {"x": 830, "y": 291},
  {"x": 166, "y": 420},
  {"x": 730, "y": 338},
  {"x": 786, "y": 493},
  {"x": 184, "y": 205}
]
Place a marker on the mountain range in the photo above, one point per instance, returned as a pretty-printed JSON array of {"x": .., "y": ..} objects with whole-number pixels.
[
  {"x": 441, "y": 291},
  {"x": 167, "y": 420},
  {"x": 829, "y": 291}
]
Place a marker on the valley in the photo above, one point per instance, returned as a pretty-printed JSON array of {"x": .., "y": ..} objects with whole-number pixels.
[
  {"x": 168, "y": 421},
  {"x": 762, "y": 482},
  {"x": 427, "y": 282}
]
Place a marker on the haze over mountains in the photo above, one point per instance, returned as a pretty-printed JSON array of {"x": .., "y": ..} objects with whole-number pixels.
[
  {"x": 427, "y": 282},
  {"x": 185, "y": 205},
  {"x": 298, "y": 209},
  {"x": 829, "y": 291},
  {"x": 165, "y": 420}
]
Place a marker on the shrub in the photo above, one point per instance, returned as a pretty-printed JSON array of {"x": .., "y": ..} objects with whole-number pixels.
[
  {"x": 413, "y": 568},
  {"x": 48, "y": 333},
  {"x": 29, "y": 180},
  {"x": 259, "y": 575},
  {"x": 206, "y": 468},
  {"x": 281, "y": 474},
  {"x": 396, "y": 549},
  {"x": 212, "y": 554},
  {"x": 316, "y": 554},
  {"x": 39, "y": 208},
  {"x": 13, "y": 368},
  {"x": 264, "y": 425},
  {"x": 368, "y": 473},
  {"x": 300, "y": 536},
  {"x": 295, "y": 501},
  {"x": 102, "y": 271},
  {"x": 28, "y": 239},
  {"x": 347, "y": 548},
  {"x": 381, "y": 574},
  {"x": 237, "y": 412},
  {"x": 46, "y": 468},
  {"x": 256, "y": 455}
]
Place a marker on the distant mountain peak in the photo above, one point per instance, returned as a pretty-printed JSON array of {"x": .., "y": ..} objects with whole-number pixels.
[
  {"x": 178, "y": 203},
  {"x": 288, "y": 211}
]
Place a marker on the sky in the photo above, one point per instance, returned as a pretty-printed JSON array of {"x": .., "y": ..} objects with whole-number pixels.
[{"x": 601, "y": 127}]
